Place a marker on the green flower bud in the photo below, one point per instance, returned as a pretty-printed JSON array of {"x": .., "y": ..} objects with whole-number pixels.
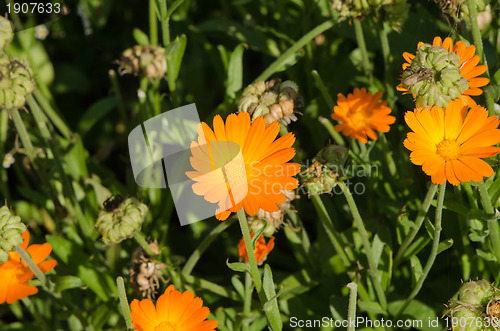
[
  {"x": 434, "y": 77},
  {"x": 6, "y": 32},
  {"x": 11, "y": 231},
  {"x": 476, "y": 292},
  {"x": 121, "y": 222}
]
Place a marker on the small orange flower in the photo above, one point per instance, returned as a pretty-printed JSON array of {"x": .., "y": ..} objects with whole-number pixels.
[
  {"x": 468, "y": 64},
  {"x": 174, "y": 311},
  {"x": 261, "y": 249},
  {"x": 15, "y": 273},
  {"x": 362, "y": 113},
  {"x": 449, "y": 144},
  {"x": 240, "y": 164}
]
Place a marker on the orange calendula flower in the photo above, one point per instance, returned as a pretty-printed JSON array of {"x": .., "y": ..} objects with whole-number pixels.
[
  {"x": 261, "y": 249},
  {"x": 15, "y": 273},
  {"x": 174, "y": 311},
  {"x": 240, "y": 164},
  {"x": 449, "y": 144},
  {"x": 362, "y": 113},
  {"x": 467, "y": 65}
]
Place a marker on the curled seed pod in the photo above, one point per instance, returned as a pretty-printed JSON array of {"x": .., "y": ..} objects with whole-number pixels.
[
  {"x": 11, "y": 231},
  {"x": 148, "y": 61},
  {"x": 16, "y": 83},
  {"x": 6, "y": 33},
  {"x": 121, "y": 222},
  {"x": 274, "y": 219},
  {"x": 282, "y": 111}
]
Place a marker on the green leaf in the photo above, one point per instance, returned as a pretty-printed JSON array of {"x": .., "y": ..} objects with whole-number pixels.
[
  {"x": 371, "y": 307},
  {"x": 488, "y": 256},
  {"x": 238, "y": 286},
  {"x": 235, "y": 72},
  {"x": 421, "y": 316},
  {"x": 140, "y": 37},
  {"x": 257, "y": 235},
  {"x": 97, "y": 111},
  {"x": 416, "y": 268},
  {"x": 67, "y": 282},
  {"x": 377, "y": 248},
  {"x": 98, "y": 281},
  {"x": 430, "y": 228},
  {"x": 271, "y": 307},
  {"x": 296, "y": 284},
  {"x": 416, "y": 247},
  {"x": 444, "y": 245},
  {"x": 174, "y": 54},
  {"x": 238, "y": 266},
  {"x": 173, "y": 7}
]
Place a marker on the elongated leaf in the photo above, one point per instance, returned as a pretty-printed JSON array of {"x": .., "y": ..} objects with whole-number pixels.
[
  {"x": 271, "y": 307},
  {"x": 238, "y": 266},
  {"x": 235, "y": 72},
  {"x": 97, "y": 111},
  {"x": 444, "y": 245},
  {"x": 175, "y": 53},
  {"x": 68, "y": 282}
]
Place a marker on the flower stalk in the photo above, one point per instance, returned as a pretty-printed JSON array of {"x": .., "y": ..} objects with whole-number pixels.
[
  {"x": 125, "y": 308},
  {"x": 434, "y": 249}
]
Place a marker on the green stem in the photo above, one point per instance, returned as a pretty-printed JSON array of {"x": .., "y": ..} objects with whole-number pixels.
[
  {"x": 23, "y": 134},
  {"x": 492, "y": 221},
  {"x": 388, "y": 155},
  {"x": 153, "y": 23},
  {"x": 26, "y": 258},
  {"x": 386, "y": 52},
  {"x": 418, "y": 223},
  {"x": 119, "y": 99},
  {"x": 478, "y": 42},
  {"x": 254, "y": 270},
  {"x": 54, "y": 116},
  {"x": 42, "y": 123},
  {"x": 330, "y": 230},
  {"x": 273, "y": 321},
  {"x": 351, "y": 311},
  {"x": 434, "y": 249},
  {"x": 195, "y": 256},
  {"x": 358, "y": 30},
  {"x": 366, "y": 244},
  {"x": 122, "y": 295},
  {"x": 165, "y": 22},
  {"x": 329, "y": 127},
  {"x": 247, "y": 303},
  {"x": 294, "y": 48},
  {"x": 322, "y": 88}
]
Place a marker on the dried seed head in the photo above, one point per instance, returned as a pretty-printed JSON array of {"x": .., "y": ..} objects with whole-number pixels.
[
  {"x": 145, "y": 274},
  {"x": 274, "y": 100},
  {"x": 121, "y": 222},
  {"x": 148, "y": 61},
  {"x": 11, "y": 231}
]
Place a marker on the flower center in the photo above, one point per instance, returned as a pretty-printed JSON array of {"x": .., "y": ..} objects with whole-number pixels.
[
  {"x": 357, "y": 116},
  {"x": 448, "y": 149},
  {"x": 165, "y": 326}
]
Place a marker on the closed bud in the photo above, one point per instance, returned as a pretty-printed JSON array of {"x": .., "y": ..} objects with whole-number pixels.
[
  {"x": 6, "y": 33},
  {"x": 147, "y": 61}
]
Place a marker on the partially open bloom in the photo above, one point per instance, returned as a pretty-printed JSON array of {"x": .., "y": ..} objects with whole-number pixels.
[
  {"x": 362, "y": 113},
  {"x": 15, "y": 273},
  {"x": 450, "y": 143},
  {"x": 261, "y": 249},
  {"x": 240, "y": 164},
  {"x": 467, "y": 64},
  {"x": 174, "y": 311}
]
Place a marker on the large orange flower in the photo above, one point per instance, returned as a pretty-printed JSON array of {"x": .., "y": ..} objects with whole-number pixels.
[
  {"x": 15, "y": 273},
  {"x": 240, "y": 164},
  {"x": 449, "y": 144},
  {"x": 174, "y": 311},
  {"x": 362, "y": 113},
  {"x": 468, "y": 64},
  {"x": 261, "y": 249}
]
